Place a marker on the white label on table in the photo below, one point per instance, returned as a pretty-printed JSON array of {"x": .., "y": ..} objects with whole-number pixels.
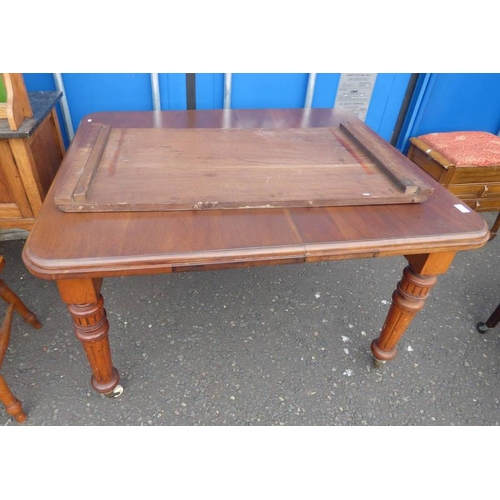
[
  {"x": 355, "y": 92},
  {"x": 462, "y": 208}
]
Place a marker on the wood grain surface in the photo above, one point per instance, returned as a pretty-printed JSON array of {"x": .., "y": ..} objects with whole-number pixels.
[
  {"x": 92, "y": 245},
  {"x": 156, "y": 169}
]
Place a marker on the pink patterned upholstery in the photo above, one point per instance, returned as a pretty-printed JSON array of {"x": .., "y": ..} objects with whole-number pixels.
[{"x": 466, "y": 149}]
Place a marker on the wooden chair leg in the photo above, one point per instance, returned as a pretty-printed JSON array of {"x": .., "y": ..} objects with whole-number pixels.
[
  {"x": 5, "y": 332},
  {"x": 11, "y": 298},
  {"x": 14, "y": 303},
  {"x": 12, "y": 404}
]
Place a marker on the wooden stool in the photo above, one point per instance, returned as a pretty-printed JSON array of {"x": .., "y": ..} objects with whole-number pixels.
[
  {"x": 12, "y": 405},
  {"x": 466, "y": 163}
]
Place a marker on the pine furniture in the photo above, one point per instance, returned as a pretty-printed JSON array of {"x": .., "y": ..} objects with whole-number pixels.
[{"x": 31, "y": 150}]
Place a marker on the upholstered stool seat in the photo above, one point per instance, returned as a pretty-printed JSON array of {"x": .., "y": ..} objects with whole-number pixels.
[{"x": 467, "y": 163}]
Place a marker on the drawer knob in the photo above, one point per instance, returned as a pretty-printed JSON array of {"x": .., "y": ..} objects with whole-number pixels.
[{"x": 484, "y": 191}]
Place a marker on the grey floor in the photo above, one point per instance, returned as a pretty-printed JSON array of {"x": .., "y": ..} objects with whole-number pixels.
[{"x": 286, "y": 345}]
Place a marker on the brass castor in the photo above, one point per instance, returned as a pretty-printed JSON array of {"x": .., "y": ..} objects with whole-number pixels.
[
  {"x": 482, "y": 328},
  {"x": 116, "y": 392},
  {"x": 378, "y": 363}
]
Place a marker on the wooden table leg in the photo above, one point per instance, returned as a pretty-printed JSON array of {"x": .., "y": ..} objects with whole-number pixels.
[
  {"x": 409, "y": 297},
  {"x": 86, "y": 305},
  {"x": 495, "y": 227}
]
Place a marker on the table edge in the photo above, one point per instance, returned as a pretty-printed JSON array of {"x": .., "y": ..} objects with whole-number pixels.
[{"x": 226, "y": 259}]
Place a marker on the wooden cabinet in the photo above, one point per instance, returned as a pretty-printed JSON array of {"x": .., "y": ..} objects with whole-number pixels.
[{"x": 29, "y": 159}]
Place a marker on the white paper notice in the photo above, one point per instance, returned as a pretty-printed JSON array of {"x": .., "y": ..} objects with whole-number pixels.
[
  {"x": 355, "y": 92},
  {"x": 462, "y": 208}
]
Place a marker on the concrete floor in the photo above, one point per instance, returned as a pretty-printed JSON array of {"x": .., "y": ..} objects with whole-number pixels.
[{"x": 286, "y": 345}]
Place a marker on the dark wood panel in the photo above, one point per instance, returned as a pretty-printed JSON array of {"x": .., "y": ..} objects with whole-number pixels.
[
  {"x": 141, "y": 169},
  {"x": 46, "y": 155}
]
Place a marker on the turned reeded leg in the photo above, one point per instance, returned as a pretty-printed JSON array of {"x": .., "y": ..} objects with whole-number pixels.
[
  {"x": 91, "y": 328},
  {"x": 408, "y": 299}
]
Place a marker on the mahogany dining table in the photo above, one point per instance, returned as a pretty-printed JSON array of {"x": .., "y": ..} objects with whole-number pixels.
[{"x": 79, "y": 249}]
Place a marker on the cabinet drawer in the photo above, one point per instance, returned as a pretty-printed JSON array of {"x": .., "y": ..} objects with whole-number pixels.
[
  {"x": 448, "y": 174},
  {"x": 483, "y": 204},
  {"x": 484, "y": 190}
]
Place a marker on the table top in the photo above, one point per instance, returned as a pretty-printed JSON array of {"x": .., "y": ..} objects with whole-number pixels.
[{"x": 85, "y": 245}]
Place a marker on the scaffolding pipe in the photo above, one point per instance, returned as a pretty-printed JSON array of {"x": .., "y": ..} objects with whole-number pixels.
[
  {"x": 58, "y": 80},
  {"x": 155, "y": 91},
  {"x": 227, "y": 90},
  {"x": 310, "y": 90}
]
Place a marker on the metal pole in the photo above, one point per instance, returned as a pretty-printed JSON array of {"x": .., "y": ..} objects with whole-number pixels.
[
  {"x": 191, "y": 90},
  {"x": 155, "y": 91},
  {"x": 405, "y": 106},
  {"x": 58, "y": 79},
  {"x": 404, "y": 141},
  {"x": 227, "y": 90},
  {"x": 310, "y": 90}
]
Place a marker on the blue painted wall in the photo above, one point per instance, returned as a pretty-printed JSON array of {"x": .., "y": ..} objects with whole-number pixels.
[
  {"x": 449, "y": 101},
  {"x": 209, "y": 90},
  {"x": 288, "y": 90},
  {"x": 268, "y": 90},
  {"x": 454, "y": 102},
  {"x": 386, "y": 102},
  {"x": 90, "y": 92}
]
